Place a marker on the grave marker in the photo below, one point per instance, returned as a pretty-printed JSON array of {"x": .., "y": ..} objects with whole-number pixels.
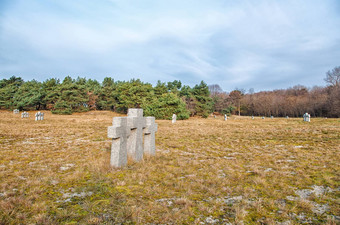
[
  {"x": 39, "y": 116},
  {"x": 149, "y": 136},
  {"x": 119, "y": 133},
  {"x": 127, "y": 137},
  {"x": 174, "y": 118},
  {"x": 136, "y": 122},
  {"x": 306, "y": 117},
  {"x": 24, "y": 115}
]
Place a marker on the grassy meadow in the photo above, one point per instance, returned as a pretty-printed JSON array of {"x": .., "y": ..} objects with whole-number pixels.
[{"x": 206, "y": 171}]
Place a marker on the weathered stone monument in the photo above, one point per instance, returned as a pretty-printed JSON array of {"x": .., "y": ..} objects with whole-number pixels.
[
  {"x": 252, "y": 117},
  {"x": 16, "y": 111},
  {"x": 287, "y": 117},
  {"x": 225, "y": 117},
  {"x": 149, "y": 136},
  {"x": 127, "y": 137},
  {"x": 174, "y": 118},
  {"x": 306, "y": 117},
  {"x": 39, "y": 116},
  {"x": 119, "y": 133},
  {"x": 271, "y": 117},
  {"x": 24, "y": 115},
  {"x": 136, "y": 122},
  {"x": 263, "y": 117}
]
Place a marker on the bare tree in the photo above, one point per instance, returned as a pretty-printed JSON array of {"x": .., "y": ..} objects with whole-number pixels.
[
  {"x": 215, "y": 89},
  {"x": 333, "y": 77},
  {"x": 236, "y": 97}
]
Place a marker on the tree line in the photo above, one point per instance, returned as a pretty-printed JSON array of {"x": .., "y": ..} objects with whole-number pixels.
[
  {"x": 293, "y": 102},
  {"x": 165, "y": 99},
  {"x": 81, "y": 94}
]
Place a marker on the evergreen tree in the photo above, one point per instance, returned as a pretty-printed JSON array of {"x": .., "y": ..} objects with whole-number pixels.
[
  {"x": 50, "y": 92},
  {"x": 132, "y": 94},
  {"x": 160, "y": 88},
  {"x": 164, "y": 106},
  {"x": 187, "y": 97},
  {"x": 29, "y": 95},
  {"x": 7, "y": 90},
  {"x": 174, "y": 86},
  {"x": 73, "y": 94},
  {"x": 202, "y": 99},
  {"x": 92, "y": 85},
  {"x": 107, "y": 95}
]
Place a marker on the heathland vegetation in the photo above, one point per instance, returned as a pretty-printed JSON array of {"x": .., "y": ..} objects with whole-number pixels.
[
  {"x": 164, "y": 99},
  {"x": 206, "y": 171}
]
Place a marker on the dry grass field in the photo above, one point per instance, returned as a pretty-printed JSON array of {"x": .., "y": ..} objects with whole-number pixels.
[{"x": 206, "y": 171}]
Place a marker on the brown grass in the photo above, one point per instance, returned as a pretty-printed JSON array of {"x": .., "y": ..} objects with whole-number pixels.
[{"x": 206, "y": 170}]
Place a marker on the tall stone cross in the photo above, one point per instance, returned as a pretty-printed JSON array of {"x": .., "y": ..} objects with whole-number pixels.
[
  {"x": 119, "y": 133},
  {"x": 149, "y": 136},
  {"x": 136, "y": 122}
]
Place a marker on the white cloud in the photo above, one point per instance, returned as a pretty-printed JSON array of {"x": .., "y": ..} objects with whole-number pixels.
[{"x": 232, "y": 43}]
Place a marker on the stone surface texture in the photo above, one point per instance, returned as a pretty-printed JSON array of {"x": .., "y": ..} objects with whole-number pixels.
[
  {"x": 149, "y": 136},
  {"x": 119, "y": 133},
  {"x": 136, "y": 122}
]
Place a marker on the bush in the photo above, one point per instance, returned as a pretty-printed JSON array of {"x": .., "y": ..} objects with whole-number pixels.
[
  {"x": 164, "y": 106},
  {"x": 62, "y": 108}
]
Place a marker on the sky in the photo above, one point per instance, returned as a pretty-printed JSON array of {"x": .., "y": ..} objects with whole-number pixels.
[{"x": 262, "y": 44}]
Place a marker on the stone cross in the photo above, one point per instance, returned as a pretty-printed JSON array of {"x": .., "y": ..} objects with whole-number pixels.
[
  {"x": 16, "y": 111},
  {"x": 306, "y": 117},
  {"x": 136, "y": 122},
  {"x": 24, "y": 115},
  {"x": 149, "y": 136},
  {"x": 225, "y": 117},
  {"x": 252, "y": 117},
  {"x": 119, "y": 133},
  {"x": 287, "y": 117},
  {"x": 271, "y": 117},
  {"x": 174, "y": 118},
  {"x": 263, "y": 117},
  {"x": 39, "y": 116}
]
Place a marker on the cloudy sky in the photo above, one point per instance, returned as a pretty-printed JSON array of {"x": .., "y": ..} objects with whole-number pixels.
[{"x": 262, "y": 44}]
